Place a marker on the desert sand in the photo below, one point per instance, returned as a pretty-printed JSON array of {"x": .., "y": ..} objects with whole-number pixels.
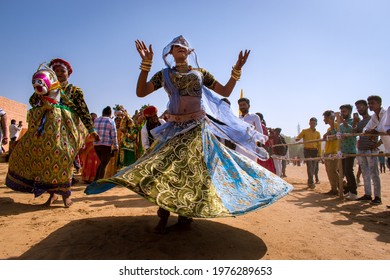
[{"x": 118, "y": 225}]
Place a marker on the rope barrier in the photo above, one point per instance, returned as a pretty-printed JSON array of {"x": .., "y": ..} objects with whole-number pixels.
[
  {"x": 332, "y": 137},
  {"x": 338, "y": 156},
  {"x": 298, "y": 143},
  {"x": 332, "y": 157}
]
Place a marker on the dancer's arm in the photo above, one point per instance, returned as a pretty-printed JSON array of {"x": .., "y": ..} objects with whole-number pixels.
[
  {"x": 226, "y": 90},
  {"x": 144, "y": 88}
]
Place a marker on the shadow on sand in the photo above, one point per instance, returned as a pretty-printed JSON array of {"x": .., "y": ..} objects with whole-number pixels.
[
  {"x": 9, "y": 207},
  {"x": 366, "y": 214},
  {"x": 132, "y": 238}
]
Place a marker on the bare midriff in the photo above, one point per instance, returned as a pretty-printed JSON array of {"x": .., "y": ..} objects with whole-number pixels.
[{"x": 189, "y": 104}]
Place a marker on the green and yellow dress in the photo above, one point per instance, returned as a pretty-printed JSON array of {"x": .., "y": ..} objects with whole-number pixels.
[{"x": 42, "y": 161}]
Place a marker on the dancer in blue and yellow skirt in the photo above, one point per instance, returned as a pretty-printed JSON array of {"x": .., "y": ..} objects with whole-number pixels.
[
  {"x": 42, "y": 161},
  {"x": 187, "y": 170}
]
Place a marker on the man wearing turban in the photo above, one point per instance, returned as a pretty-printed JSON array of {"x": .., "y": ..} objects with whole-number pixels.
[{"x": 152, "y": 121}]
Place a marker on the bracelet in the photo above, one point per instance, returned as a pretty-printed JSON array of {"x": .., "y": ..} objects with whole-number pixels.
[
  {"x": 145, "y": 68},
  {"x": 146, "y": 65},
  {"x": 148, "y": 61},
  {"x": 236, "y": 74}
]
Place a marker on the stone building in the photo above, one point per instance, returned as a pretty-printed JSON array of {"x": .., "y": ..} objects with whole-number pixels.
[{"x": 15, "y": 110}]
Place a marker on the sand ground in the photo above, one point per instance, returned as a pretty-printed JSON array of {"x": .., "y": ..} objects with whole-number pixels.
[{"x": 118, "y": 225}]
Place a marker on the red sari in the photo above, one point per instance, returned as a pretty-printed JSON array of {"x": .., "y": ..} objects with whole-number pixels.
[
  {"x": 269, "y": 163},
  {"x": 89, "y": 160}
]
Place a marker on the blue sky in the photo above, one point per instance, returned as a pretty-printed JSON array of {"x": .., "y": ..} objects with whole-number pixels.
[{"x": 307, "y": 56}]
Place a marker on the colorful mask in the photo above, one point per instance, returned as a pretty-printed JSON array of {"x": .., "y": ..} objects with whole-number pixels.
[{"x": 45, "y": 80}]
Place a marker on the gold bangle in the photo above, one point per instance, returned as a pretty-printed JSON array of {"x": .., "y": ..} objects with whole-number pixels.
[
  {"x": 236, "y": 74},
  {"x": 145, "y": 67},
  {"x": 235, "y": 77},
  {"x": 236, "y": 71}
]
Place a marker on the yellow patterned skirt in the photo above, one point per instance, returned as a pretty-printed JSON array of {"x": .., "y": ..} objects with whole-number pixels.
[{"x": 43, "y": 158}]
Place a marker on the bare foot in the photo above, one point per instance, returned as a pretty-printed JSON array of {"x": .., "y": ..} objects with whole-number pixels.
[
  {"x": 161, "y": 226},
  {"x": 182, "y": 224},
  {"x": 179, "y": 227},
  {"x": 67, "y": 201},
  {"x": 53, "y": 197}
]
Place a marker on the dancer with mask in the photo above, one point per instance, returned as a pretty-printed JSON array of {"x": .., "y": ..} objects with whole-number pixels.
[{"x": 43, "y": 159}]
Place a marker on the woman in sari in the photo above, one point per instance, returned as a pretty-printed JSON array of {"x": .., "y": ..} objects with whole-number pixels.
[{"x": 89, "y": 159}]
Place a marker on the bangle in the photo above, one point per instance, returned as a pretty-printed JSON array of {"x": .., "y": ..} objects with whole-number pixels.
[
  {"x": 236, "y": 74},
  {"x": 148, "y": 61},
  {"x": 146, "y": 65},
  {"x": 145, "y": 68}
]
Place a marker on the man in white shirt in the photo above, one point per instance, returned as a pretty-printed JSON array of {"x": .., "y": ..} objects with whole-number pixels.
[
  {"x": 253, "y": 119},
  {"x": 380, "y": 120},
  {"x": 3, "y": 129},
  {"x": 386, "y": 121},
  {"x": 152, "y": 121},
  {"x": 14, "y": 130}
]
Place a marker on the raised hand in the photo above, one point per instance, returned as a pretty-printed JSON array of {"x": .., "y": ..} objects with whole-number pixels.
[
  {"x": 242, "y": 57},
  {"x": 144, "y": 52}
]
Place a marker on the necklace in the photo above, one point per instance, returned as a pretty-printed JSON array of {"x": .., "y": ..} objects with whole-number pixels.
[
  {"x": 181, "y": 64},
  {"x": 182, "y": 69}
]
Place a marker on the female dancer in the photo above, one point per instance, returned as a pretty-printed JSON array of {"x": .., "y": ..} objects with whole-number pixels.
[{"x": 187, "y": 170}]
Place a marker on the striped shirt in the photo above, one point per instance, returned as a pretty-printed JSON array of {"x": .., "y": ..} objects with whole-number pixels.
[
  {"x": 106, "y": 129},
  {"x": 365, "y": 142}
]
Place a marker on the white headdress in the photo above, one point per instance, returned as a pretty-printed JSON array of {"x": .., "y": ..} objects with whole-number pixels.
[{"x": 182, "y": 42}]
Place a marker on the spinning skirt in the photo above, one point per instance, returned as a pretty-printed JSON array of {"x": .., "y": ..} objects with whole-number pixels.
[
  {"x": 43, "y": 158},
  {"x": 194, "y": 175}
]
